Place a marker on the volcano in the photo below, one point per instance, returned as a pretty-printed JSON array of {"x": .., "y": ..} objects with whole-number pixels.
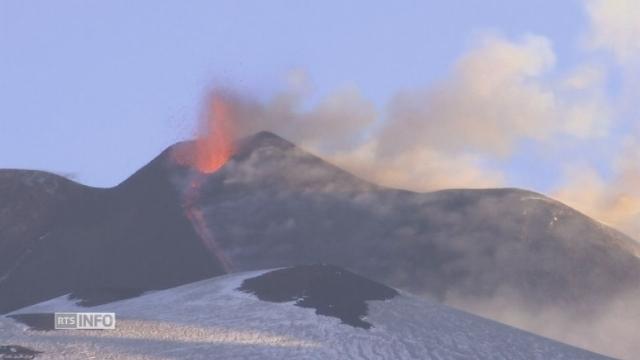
[{"x": 275, "y": 205}]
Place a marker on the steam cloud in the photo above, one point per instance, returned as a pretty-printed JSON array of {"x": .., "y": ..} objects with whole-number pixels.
[{"x": 498, "y": 95}]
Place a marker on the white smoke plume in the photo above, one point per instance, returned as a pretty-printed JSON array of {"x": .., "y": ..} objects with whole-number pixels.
[{"x": 500, "y": 93}]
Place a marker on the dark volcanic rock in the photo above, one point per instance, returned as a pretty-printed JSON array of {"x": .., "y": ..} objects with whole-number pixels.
[
  {"x": 133, "y": 236},
  {"x": 36, "y": 321},
  {"x": 31, "y": 203},
  {"x": 274, "y": 205},
  {"x": 100, "y": 296},
  {"x": 330, "y": 290}
]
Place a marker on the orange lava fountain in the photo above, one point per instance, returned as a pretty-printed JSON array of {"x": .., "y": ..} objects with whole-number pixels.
[
  {"x": 213, "y": 148},
  {"x": 214, "y": 145}
]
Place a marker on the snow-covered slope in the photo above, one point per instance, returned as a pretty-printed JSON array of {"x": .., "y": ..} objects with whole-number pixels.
[{"x": 303, "y": 312}]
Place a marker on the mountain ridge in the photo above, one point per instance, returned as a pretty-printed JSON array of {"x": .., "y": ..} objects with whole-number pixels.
[{"x": 274, "y": 204}]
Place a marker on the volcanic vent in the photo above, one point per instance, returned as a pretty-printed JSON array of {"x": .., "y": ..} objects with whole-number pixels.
[{"x": 212, "y": 148}]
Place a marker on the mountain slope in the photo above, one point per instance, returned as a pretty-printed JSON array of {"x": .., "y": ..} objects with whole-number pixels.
[
  {"x": 130, "y": 238},
  {"x": 507, "y": 254},
  {"x": 275, "y": 205},
  {"x": 510, "y": 255},
  {"x": 220, "y": 318}
]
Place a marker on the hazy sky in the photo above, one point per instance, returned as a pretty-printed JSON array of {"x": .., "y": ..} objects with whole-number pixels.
[{"x": 97, "y": 89}]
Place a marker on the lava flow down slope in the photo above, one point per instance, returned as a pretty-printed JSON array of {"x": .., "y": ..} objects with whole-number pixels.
[{"x": 511, "y": 255}]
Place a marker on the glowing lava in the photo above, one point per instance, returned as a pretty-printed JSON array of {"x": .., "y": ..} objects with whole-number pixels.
[
  {"x": 213, "y": 148},
  {"x": 214, "y": 145}
]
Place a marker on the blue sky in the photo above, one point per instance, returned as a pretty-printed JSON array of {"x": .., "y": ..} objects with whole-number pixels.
[{"x": 97, "y": 89}]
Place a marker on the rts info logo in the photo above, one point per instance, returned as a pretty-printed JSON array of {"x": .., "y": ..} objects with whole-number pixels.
[{"x": 85, "y": 321}]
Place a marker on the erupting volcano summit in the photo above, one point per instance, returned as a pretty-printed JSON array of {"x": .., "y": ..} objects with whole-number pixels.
[
  {"x": 214, "y": 144},
  {"x": 213, "y": 147}
]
